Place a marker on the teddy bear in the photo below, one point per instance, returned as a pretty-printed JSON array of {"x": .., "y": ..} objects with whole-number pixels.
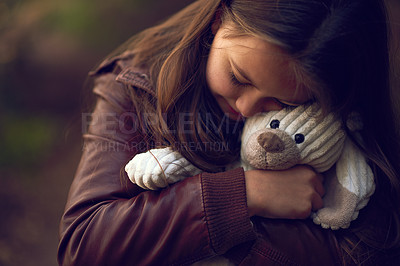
[{"x": 278, "y": 140}]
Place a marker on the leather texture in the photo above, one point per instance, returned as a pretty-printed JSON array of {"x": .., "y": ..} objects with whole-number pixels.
[{"x": 110, "y": 221}]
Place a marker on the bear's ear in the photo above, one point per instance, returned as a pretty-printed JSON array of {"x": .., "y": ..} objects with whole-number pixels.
[{"x": 354, "y": 122}]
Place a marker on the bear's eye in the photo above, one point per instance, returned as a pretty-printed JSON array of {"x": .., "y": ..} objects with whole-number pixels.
[
  {"x": 274, "y": 124},
  {"x": 299, "y": 138}
]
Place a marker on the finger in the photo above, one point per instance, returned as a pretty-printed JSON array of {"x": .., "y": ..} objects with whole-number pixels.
[
  {"x": 319, "y": 187},
  {"x": 317, "y": 203},
  {"x": 320, "y": 177}
]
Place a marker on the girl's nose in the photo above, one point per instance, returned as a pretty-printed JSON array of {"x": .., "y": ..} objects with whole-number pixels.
[
  {"x": 247, "y": 109},
  {"x": 251, "y": 103},
  {"x": 248, "y": 104}
]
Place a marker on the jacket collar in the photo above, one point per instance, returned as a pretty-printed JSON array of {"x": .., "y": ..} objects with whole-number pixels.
[
  {"x": 121, "y": 65},
  {"x": 137, "y": 78}
]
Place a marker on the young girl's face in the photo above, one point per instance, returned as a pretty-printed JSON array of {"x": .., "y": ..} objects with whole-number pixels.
[{"x": 248, "y": 75}]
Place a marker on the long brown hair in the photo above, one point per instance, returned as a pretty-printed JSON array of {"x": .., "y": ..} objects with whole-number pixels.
[
  {"x": 340, "y": 50},
  {"x": 189, "y": 118}
]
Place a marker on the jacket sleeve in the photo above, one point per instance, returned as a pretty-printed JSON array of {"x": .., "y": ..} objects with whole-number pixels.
[{"x": 110, "y": 221}]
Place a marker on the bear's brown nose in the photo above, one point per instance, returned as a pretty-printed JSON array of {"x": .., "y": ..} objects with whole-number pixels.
[{"x": 270, "y": 142}]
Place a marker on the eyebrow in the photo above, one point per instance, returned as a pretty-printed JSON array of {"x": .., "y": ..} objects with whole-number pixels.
[{"x": 241, "y": 72}]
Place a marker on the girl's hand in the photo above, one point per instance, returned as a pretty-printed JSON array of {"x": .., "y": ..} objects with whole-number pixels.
[{"x": 289, "y": 194}]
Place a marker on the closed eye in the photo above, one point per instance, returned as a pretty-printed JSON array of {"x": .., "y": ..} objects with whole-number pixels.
[{"x": 236, "y": 82}]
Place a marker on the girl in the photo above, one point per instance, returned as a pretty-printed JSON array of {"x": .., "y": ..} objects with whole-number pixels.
[{"x": 189, "y": 83}]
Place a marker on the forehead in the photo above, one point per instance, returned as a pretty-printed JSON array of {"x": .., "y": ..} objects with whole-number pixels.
[
  {"x": 267, "y": 64},
  {"x": 230, "y": 31},
  {"x": 260, "y": 53}
]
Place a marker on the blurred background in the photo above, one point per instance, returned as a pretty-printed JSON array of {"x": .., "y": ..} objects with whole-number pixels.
[{"x": 47, "y": 47}]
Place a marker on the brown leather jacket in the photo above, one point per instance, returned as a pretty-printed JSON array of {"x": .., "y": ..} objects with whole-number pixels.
[{"x": 110, "y": 221}]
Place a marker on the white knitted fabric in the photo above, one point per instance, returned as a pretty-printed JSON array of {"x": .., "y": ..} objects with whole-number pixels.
[
  {"x": 348, "y": 185},
  {"x": 157, "y": 168},
  {"x": 348, "y": 188},
  {"x": 323, "y": 139}
]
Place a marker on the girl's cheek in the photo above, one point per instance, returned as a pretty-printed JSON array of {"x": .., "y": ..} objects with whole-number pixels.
[
  {"x": 227, "y": 90},
  {"x": 234, "y": 92},
  {"x": 220, "y": 84}
]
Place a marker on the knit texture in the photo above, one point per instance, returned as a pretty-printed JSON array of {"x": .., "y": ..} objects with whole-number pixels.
[
  {"x": 281, "y": 139},
  {"x": 225, "y": 204},
  {"x": 157, "y": 168},
  {"x": 278, "y": 140},
  {"x": 321, "y": 148}
]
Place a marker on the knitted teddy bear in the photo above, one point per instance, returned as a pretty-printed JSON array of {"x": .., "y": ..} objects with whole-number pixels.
[{"x": 278, "y": 140}]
